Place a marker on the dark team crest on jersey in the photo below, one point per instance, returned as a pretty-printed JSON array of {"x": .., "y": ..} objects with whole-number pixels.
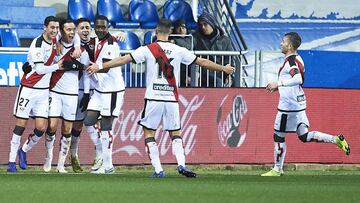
[{"x": 232, "y": 120}]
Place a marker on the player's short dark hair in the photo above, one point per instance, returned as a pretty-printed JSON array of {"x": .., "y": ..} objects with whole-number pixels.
[
  {"x": 101, "y": 17},
  {"x": 63, "y": 21},
  {"x": 81, "y": 20},
  {"x": 164, "y": 26},
  {"x": 294, "y": 39},
  {"x": 50, "y": 19}
]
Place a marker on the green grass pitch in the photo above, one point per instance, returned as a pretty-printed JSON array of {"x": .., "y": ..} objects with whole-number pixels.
[{"x": 133, "y": 184}]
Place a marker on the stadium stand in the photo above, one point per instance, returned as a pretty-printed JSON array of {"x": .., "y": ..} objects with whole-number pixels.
[
  {"x": 19, "y": 16},
  {"x": 27, "y": 3},
  {"x": 112, "y": 10},
  {"x": 145, "y": 12},
  {"x": 80, "y": 9},
  {"x": 132, "y": 73},
  {"x": 131, "y": 41},
  {"x": 179, "y": 9},
  {"x": 9, "y": 38}
]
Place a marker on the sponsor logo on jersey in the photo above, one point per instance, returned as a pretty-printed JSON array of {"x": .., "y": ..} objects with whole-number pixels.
[{"x": 163, "y": 87}]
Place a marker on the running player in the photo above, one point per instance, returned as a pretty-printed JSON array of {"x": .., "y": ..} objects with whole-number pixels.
[{"x": 291, "y": 116}]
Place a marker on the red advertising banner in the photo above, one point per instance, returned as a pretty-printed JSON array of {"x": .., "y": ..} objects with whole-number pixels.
[{"x": 219, "y": 125}]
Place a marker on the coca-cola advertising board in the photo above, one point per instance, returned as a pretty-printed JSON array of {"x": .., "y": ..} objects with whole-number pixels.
[{"x": 219, "y": 126}]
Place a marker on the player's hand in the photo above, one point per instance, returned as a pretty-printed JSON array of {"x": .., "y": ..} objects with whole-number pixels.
[
  {"x": 229, "y": 69},
  {"x": 72, "y": 65},
  {"x": 26, "y": 68},
  {"x": 93, "y": 68},
  {"x": 120, "y": 36},
  {"x": 76, "y": 53},
  {"x": 84, "y": 102},
  {"x": 60, "y": 64},
  {"x": 272, "y": 87}
]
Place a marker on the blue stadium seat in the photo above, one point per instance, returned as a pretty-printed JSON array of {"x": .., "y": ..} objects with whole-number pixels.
[
  {"x": 132, "y": 79},
  {"x": 9, "y": 38},
  {"x": 179, "y": 9},
  {"x": 112, "y": 10},
  {"x": 149, "y": 37},
  {"x": 145, "y": 12},
  {"x": 131, "y": 41},
  {"x": 80, "y": 9}
]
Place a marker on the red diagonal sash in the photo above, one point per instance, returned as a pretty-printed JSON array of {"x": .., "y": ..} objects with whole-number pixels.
[
  {"x": 35, "y": 77},
  {"x": 166, "y": 67}
]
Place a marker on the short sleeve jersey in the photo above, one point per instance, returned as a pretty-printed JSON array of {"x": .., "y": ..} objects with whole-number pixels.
[
  {"x": 157, "y": 86},
  {"x": 292, "y": 98},
  {"x": 67, "y": 82},
  {"x": 40, "y": 51},
  {"x": 112, "y": 80}
]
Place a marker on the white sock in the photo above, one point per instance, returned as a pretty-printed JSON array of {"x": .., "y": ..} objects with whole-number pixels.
[
  {"x": 74, "y": 146},
  {"x": 279, "y": 155},
  {"x": 31, "y": 142},
  {"x": 95, "y": 138},
  {"x": 320, "y": 137},
  {"x": 107, "y": 143},
  {"x": 64, "y": 149},
  {"x": 153, "y": 151},
  {"x": 14, "y": 146},
  {"x": 49, "y": 145},
  {"x": 178, "y": 151}
]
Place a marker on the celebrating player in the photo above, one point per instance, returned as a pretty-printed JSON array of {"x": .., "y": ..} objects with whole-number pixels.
[
  {"x": 64, "y": 95},
  {"x": 163, "y": 60},
  {"x": 33, "y": 93},
  {"x": 291, "y": 116}
]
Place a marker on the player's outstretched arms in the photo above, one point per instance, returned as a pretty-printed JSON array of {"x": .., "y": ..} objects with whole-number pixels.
[
  {"x": 118, "y": 61},
  {"x": 213, "y": 66}
]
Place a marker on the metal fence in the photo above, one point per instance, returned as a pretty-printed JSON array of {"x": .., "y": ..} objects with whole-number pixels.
[{"x": 194, "y": 75}]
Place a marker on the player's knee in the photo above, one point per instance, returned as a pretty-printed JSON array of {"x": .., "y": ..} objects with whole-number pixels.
[
  {"x": 303, "y": 137},
  {"x": 18, "y": 130},
  {"x": 90, "y": 120},
  {"x": 278, "y": 138},
  {"x": 66, "y": 129},
  {"x": 39, "y": 132},
  {"x": 105, "y": 124}
]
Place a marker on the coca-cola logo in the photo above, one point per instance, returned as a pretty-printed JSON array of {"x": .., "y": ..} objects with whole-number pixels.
[
  {"x": 232, "y": 121},
  {"x": 125, "y": 127}
]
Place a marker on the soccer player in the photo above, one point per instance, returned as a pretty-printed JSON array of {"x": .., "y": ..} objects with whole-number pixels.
[
  {"x": 291, "y": 116},
  {"x": 32, "y": 98},
  {"x": 108, "y": 94},
  {"x": 88, "y": 43},
  {"x": 64, "y": 96},
  {"x": 163, "y": 60}
]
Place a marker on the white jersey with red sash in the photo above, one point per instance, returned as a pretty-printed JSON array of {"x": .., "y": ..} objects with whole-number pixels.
[
  {"x": 111, "y": 80},
  {"x": 68, "y": 82},
  {"x": 292, "y": 98},
  {"x": 90, "y": 49},
  {"x": 40, "y": 51},
  {"x": 163, "y": 61}
]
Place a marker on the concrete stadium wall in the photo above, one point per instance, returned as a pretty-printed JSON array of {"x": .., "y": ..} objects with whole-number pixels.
[{"x": 218, "y": 126}]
